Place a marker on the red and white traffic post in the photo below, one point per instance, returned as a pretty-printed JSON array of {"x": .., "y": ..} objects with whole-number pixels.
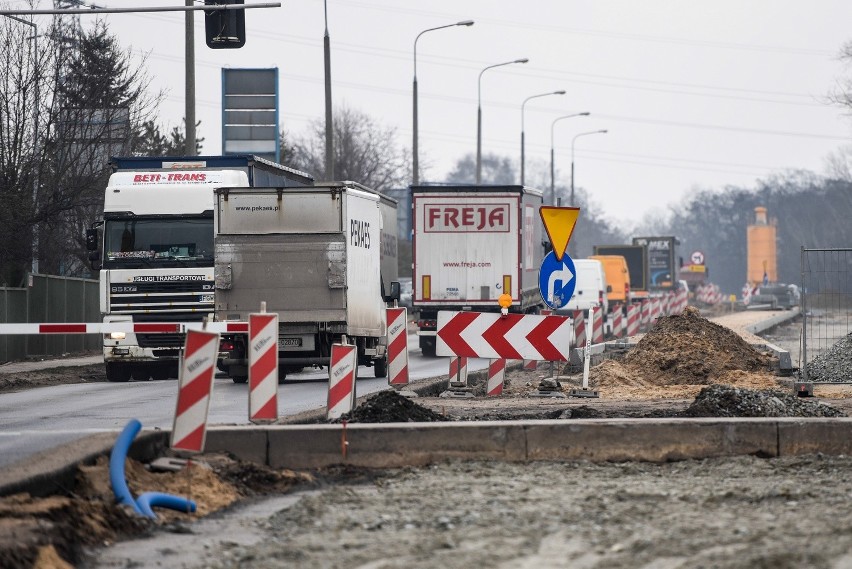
[
  {"x": 195, "y": 386},
  {"x": 496, "y": 376},
  {"x": 579, "y": 329},
  {"x": 633, "y": 319},
  {"x": 341, "y": 380},
  {"x": 397, "y": 346},
  {"x": 458, "y": 372},
  {"x": 263, "y": 366}
]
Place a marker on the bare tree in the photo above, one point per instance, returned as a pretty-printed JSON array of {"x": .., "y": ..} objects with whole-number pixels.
[{"x": 364, "y": 151}]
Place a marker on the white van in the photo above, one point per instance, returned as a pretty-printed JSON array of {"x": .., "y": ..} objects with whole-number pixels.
[{"x": 590, "y": 288}]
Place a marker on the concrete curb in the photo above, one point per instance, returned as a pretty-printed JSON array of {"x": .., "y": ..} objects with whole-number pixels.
[{"x": 393, "y": 445}]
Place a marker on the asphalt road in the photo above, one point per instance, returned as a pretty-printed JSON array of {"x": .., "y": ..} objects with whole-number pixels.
[{"x": 36, "y": 420}]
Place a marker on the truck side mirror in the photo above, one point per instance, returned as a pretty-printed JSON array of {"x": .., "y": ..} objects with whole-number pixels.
[
  {"x": 92, "y": 241},
  {"x": 394, "y": 292},
  {"x": 95, "y": 260}
]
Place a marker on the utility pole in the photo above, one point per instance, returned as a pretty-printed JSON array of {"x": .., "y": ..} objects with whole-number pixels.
[{"x": 189, "y": 56}]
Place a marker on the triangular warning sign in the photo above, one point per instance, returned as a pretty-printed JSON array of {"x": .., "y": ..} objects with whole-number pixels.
[{"x": 559, "y": 223}]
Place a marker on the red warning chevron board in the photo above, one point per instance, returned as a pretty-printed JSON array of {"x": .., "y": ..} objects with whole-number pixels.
[{"x": 514, "y": 336}]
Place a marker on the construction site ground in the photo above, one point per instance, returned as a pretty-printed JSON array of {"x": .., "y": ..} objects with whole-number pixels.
[{"x": 737, "y": 511}]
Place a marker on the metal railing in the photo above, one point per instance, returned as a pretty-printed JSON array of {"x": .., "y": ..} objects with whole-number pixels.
[{"x": 826, "y": 292}]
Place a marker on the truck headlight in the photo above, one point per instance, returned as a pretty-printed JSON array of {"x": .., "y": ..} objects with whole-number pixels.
[{"x": 117, "y": 335}]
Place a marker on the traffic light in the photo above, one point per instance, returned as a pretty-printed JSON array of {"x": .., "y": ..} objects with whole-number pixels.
[{"x": 226, "y": 29}]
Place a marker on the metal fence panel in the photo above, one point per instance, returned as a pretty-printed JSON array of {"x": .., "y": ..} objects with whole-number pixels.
[
  {"x": 49, "y": 298},
  {"x": 13, "y": 310},
  {"x": 827, "y": 315}
]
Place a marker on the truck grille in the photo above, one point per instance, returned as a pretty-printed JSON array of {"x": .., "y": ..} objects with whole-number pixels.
[{"x": 162, "y": 298}]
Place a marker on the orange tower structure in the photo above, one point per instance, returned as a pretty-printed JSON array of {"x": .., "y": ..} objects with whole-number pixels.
[{"x": 762, "y": 251}]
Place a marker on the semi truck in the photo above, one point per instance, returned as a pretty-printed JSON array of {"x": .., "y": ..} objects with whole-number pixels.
[
  {"x": 320, "y": 258},
  {"x": 154, "y": 250},
  {"x": 662, "y": 270},
  {"x": 470, "y": 245}
]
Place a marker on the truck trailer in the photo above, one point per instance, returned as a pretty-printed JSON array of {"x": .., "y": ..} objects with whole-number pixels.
[
  {"x": 470, "y": 245},
  {"x": 318, "y": 258},
  {"x": 154, "y": 249}
]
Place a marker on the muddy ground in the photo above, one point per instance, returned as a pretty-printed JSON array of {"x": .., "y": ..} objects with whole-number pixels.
[{"x": 737, "y": 512}]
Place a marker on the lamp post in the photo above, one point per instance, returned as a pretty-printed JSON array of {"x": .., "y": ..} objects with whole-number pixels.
[
  {"x": 523, "y": 158},
  {"x": 329, "y": 125},
  {"x": 415, "y": 160},
  {"x": 479, "y": 115},
  {"x": 553, "y": 124},
  {"x": 576, "y": 136}
]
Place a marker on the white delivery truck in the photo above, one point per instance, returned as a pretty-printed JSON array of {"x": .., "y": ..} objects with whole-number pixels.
[
  {"x": 315, "y": 257},
  {"x": 154, "y": 250},
  {"x": 470, "y": 245}
]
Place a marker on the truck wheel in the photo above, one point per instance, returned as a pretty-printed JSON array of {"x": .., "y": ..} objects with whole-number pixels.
[
  {"x": 160, "y": 372},
  {"x": 117, "y": 372},
  {"x": 427, "y": 346},
  {"x": 380, "y": 367},
  {"x": 140, "y": 372}
]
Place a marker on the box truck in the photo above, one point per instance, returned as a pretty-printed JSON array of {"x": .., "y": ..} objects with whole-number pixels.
[
  {"x": 470, "y": 245},
  {"x": 154, "y": 250},
  {"x": 315, "y": 256}
]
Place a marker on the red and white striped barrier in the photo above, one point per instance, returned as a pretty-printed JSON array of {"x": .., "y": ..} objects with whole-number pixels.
[
  {"x": 195, "y": 384},
  {"x": 579, "y": 329},
  {"x": 126, "y": 327},
  {"x": 263, "y": 367},
  {"x": 633, "y": 311},
  {"x": 617, "y": 322},
  {"x": 341, "y": 380},
  {"x": 530, "y": 365},
  {"x": 397, "y": 346},
  {"x": 496, "y": 375},
  {"x": 655, "y": 310},
  {"x": 645, "y": 315},
  {"x": 597, "y": 324},
  {"x": 458, "y": 370}
]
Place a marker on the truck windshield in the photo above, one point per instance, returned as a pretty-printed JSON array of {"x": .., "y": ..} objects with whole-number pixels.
[{"x": 159, "y": 242}]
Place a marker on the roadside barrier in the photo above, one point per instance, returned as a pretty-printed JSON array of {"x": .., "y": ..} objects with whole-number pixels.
[
  {"x": 341, "y": 380},
  {"x": 579, "y": 329},
  {"x": 195, "y": 384},
  {"x": 655, "y": 310},
  {"x": 617, "y": 322},
  {"x": 458, "y": 371},
  {"x": 530, "y": 365},
  {"x": 597, "y": 324},
  {"x": 397, "y": 346},
  {"x": 263, "y": 367},
  {"x": 645, "y": 315},
  {"x": 126, "y": 327},
  {"x": 496, "y": 375},
  {"x": 633, "y": 318}
]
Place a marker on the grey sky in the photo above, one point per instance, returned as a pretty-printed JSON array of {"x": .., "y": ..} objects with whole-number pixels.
[{"x": 694, "y": 94}]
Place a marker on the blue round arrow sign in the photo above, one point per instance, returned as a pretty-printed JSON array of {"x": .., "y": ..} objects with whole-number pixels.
[{"x": 557, "y": 280}]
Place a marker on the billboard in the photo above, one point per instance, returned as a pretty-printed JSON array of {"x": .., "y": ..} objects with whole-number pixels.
[{"x": 250, "y": 112}]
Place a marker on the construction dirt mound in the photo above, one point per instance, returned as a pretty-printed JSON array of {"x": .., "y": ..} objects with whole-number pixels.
[
  {"x": 391, "y": 407},
  {"x": 687, "y": 350}
]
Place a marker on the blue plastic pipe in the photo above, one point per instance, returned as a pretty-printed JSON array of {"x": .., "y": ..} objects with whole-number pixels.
[
  {"x": 160, "y": 500},
  {"x": 116, "y": 465}
]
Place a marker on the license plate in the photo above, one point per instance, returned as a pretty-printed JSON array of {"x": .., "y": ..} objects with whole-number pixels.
[
  {"x": 290, "y": 342},
  {"x": 206, "y": 298}
]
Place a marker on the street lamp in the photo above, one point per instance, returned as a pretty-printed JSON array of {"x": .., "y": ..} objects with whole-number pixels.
[
  {"x": 479, "y": 115},
  {"x": 415, "y": 161},
  {"x": 560, "y": 92},
  {"x": 576, "y": 136},
  {"x": 553, "y": 124}
]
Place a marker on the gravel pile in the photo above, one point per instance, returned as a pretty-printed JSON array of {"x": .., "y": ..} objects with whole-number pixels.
[
  {"x": 727, "y": 401},
  {"x": 833, "y": 365}
]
